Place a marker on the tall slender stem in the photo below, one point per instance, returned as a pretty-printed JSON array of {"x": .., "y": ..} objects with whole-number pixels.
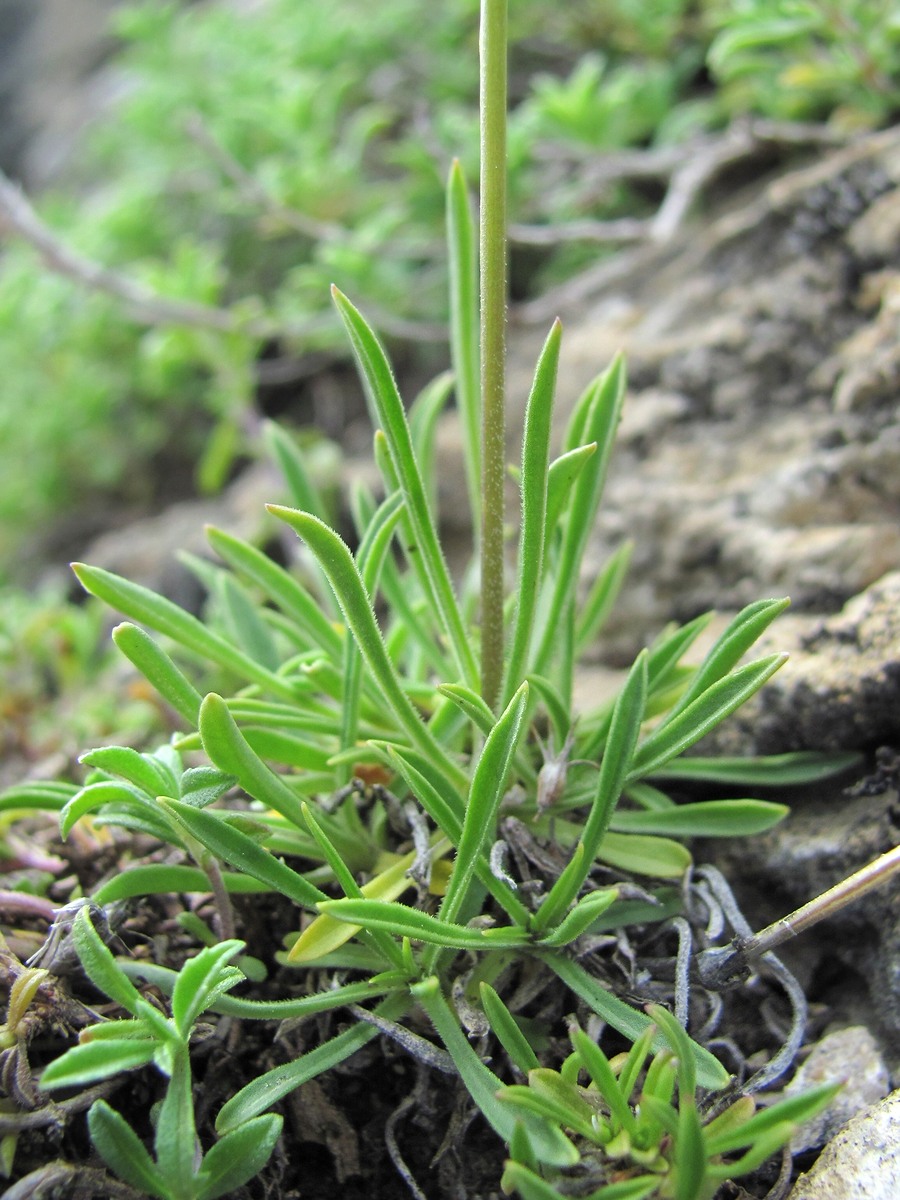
[{"x": 493, "y": 338}]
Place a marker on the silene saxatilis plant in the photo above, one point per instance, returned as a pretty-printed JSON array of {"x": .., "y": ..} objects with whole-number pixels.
[{"x": 461, "y": 860}]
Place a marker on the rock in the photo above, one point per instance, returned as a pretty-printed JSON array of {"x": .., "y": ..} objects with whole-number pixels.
[
  {"x": 840, "y": 689},
  {"x": 761, "y": 444},
  {"x": 849, "y": 1056},
  {"x": 862, "y": 1162}
]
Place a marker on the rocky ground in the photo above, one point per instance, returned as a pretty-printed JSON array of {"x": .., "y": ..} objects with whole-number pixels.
[{"x": 759, "y": 455}]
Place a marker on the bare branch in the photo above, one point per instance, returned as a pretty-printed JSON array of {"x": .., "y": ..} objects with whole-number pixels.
[
  {"x": 150, "y": 308},
  {"x": 251, "y": 190}
]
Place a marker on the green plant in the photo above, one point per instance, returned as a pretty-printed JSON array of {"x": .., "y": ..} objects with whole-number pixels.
[
  {"x": 439, "y": 707},
  {"x": 804, "y": 60},
  {"x": 178, "y": 1169},
  {"x": 273, "y": 163},
  {"x": 60, "y": 681},
  {"x": 657, "y": 1143}
]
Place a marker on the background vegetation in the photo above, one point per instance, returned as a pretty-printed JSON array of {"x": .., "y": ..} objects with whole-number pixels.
[{"x": 260, "y": 152}]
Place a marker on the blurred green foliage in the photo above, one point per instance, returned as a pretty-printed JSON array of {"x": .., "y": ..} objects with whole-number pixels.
[{"x": 260, "y": 152}]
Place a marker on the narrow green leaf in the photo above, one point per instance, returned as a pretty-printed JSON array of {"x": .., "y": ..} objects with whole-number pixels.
[
  {"x": 143, "y": 770},
  {"x": 201, "y": 980},
  {"x": 557, "y": 710},
  {"x": 532, "y": 530},
  {"x": 681, "y": 1045},
  {"x": 627, "y": 1020},
  {"x": 175, "y": 1142},
  {"x": 227, "y": 843},
  {"x": 124, "y": 1152},
  {"x": 89, "y": 1062},
  {"x": 159, "y": 670},
  {"x": 292, "y": 464},
  {"x": 729, "y": 649},
  {"x": 794, "y": 1110},
  {"x": 274, "y": 1085},
  {"x": 532, "y": 1187},
  {"x": 96, "y": 795},
  {"x": 202, "y": 786},
  {"x": 243, "y": 621},
  {"x": 598, "y": 1067},
  {"x": 776, "y": 770},
  {"x": 549, "y": 1144},
  {"x": 160, "y": 614},
  {"x": 548, "y": 1095},
  {"x": 389, "y": 414},
  {"x": 588, "y": 910},
  {"x": 624, "y": 730},
  {"x": 602, "y": 597},
  {"x": 157, "y": 879},
  {"x": 690, "y": 1152},
  {"x": 703, "y": 715},
  {"x": 709, "y": 818},
  {"x": 470, "y": 703},
  {"x": 238, "y": 1156},
  {"x": 290, "y": 596},
  {"x": 595, "y": 420},
  {"x": 423, "y": 419},
  {"x": 344, "y": 578},
  {"x": 485, "y": 793},
  {"x": 39, "y": 794},
  {"x": 230, "y": 751},
  {"x": 504, "y": 1025},
  {"x": 561, "y": 476},
  {"x": 657, "y": 857},
  {"x": 404, "y": 921},
  {"x": 99, "y": 964}
]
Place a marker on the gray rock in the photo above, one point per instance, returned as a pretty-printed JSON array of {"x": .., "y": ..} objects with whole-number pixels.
[
  {"x": 761, "y": 444},
  {"x": 849, "y": 1056},
  {"x": 862, "y": 1162},
  {"x": 840, "y": 689}
]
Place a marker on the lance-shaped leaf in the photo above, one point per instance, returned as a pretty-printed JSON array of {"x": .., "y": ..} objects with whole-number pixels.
[
  {"x": 729, "y": 649},
  {"x": 160, "y": 614},
  {"x": 159, "y": 670},
  {"x": 549, "y": 1144},
  {"x": 389, "y": 414},
  {"x": 629, "y": 1021},
  {"x": 272, "y": 1086},
  {"x": 532, "y": 531},
  {"x": 774, "y": 770},
  {"x": 561, "y": 476},
  {"x": 506, "y": 1028},
  {"x": 145, "y": 771},
  {"x": 238, "y": 1156},
  {"x": 485, "y": 794},
  {"x": 624, "y": 730},
  {"x": 100, "y": 966},
  {"x": 348, "y": 587},
  {"x": 703, "y": 715},
  {"x": 709, "y": 818},
  {"x": 595, "y": 420},
  {"x": 229, "y": 844},
  {"x": 123, "y": 1151},
  {"x": 418, "y": 926},
  {"x": 290, "y": 596}
]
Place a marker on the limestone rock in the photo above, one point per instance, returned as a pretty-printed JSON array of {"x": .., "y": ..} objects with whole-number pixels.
[{"x": 862, "y": 1162}]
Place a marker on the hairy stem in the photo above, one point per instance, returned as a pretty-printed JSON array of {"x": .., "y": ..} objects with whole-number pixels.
[{"x": 493, "y": 338}]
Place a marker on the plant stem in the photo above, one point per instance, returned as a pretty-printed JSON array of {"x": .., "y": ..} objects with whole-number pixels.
[{"x": 493, "y": 338}]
